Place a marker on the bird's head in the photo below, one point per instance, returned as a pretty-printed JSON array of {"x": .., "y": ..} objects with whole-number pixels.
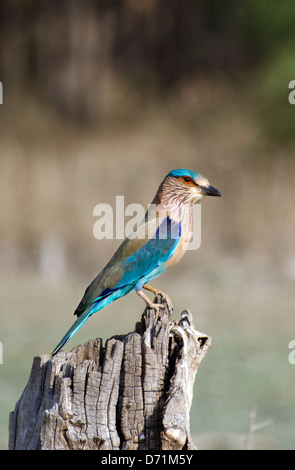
[{"x": 186, "y": 186}]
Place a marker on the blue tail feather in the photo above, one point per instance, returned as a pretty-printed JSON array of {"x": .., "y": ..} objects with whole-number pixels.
[
  {"x": 97, "y": 305},
  {"x": 74, "y": 328}
]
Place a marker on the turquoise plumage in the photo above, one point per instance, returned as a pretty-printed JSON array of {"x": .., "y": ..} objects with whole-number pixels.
[{"x": 157, "y": 243}]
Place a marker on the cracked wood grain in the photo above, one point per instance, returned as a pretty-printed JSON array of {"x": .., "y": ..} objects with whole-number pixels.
[{"x": 134, "y": 393}]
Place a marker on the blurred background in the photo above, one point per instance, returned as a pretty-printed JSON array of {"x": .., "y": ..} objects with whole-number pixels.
[{"x": 105, "y": 97}]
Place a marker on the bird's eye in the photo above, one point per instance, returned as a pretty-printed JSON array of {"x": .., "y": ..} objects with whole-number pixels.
[{"x": 187, "y": 179}]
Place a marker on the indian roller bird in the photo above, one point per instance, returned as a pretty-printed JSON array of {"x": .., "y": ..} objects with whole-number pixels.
[{"x": 155, "y": 245}]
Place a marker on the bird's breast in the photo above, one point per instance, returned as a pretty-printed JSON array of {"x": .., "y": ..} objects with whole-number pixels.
[{"x": 181, "y": 248}]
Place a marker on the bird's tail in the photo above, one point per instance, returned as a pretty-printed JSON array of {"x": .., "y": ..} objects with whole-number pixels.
[
  {"x": 108, "y": 296},
  {"x": 74, "y": 328}
]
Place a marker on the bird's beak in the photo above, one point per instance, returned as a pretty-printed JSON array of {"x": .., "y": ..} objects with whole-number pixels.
[{"x": 210, "y": 191}]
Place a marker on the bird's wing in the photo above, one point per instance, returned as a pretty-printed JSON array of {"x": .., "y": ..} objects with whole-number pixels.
[
  {"x": 131, "y": 265},
  {"x": 154, "y": 253},
  {"x": 136, "y": 257}
]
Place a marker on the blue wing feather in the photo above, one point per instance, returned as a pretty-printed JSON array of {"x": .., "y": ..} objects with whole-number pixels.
[{"x": 152, "y": 255}]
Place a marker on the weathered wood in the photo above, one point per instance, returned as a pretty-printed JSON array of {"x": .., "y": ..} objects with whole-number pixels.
[{"x": 134, "y": 393}]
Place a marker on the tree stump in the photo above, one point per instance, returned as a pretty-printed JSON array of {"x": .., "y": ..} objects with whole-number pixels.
[{"x": 133, "y": 394}]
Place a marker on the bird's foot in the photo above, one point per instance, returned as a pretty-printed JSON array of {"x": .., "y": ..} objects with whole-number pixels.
[
  {"x": 150, "y": 304},
  {"x": 164, "y": 296},
  {"x": 156, "y": 307},
  {"x": 167, "y": 299}
]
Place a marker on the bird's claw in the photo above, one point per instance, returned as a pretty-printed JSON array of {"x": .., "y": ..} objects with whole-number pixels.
[
  {"x": 157, "y": 307},
  {"x": 166, "y": 299},
  {"x": 160, "y": 297},
  {"x": 158, "y": 292}
]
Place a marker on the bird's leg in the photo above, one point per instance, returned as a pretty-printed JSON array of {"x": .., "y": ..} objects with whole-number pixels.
[
  {"x": 149, "y": 302},
  {"x": 152, "y": 289},
  {"x": 159, "y": 292}
]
